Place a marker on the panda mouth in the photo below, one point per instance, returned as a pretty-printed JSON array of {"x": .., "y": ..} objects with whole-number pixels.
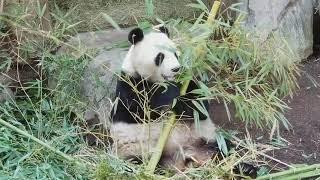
[{"x": 167, "y": 78}]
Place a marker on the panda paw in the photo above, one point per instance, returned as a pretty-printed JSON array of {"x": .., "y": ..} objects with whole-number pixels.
[
  {"x": 246, "y": 170},
  {"x": 207, "y": 130}
]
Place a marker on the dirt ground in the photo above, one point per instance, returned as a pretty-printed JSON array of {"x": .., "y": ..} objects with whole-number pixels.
[{"x": 303, "y": 138}]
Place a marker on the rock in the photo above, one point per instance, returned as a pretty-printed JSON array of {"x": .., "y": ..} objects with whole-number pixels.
[
  {"x": 4, "y": 79},
  {"x": 5, "y": 92},
  {"x": 291, "y": 19},
  {"x": 316, "y": 4},
  {"x": 95, "y": 133},
  {"x": 98, "y": 40},
  {"x": 316, "y": 27},
  {"x": 99, "y": 80}
]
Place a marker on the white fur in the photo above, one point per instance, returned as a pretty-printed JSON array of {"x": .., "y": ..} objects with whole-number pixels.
[
  {"x": 141, "y": 139},
  {"x": 141, "y": 57}
]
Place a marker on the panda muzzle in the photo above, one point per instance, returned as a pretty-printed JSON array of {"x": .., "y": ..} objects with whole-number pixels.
[{"x": 168, "y": 78}]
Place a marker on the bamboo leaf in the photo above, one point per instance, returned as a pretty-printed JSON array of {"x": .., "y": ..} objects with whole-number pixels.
[
  {"x": 197, "y": 6},
  {"x": 111, "y": 21},
  {"x": 222, "y": 143},
  {"x": 200, "y": 108}
]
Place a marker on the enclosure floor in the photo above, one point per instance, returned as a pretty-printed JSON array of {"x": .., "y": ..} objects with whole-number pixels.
[{"x": 304, "y": 116}]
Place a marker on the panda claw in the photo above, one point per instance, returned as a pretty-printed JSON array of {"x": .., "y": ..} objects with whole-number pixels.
[
  {"x": 191, "y": 160},
  {"x": 246, "y": 169}
]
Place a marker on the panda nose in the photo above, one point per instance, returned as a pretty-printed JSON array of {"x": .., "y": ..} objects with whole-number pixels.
[{"x": 175, "y": 69}]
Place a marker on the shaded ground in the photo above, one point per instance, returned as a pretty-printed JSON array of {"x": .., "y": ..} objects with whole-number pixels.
[{"x": 304, "y": 136}]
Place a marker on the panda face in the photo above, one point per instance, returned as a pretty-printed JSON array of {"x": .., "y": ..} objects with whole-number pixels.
[{"x": 152, "y": 56}]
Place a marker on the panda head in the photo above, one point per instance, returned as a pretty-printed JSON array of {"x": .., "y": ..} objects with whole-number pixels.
[{"x": 152, "y": 56}]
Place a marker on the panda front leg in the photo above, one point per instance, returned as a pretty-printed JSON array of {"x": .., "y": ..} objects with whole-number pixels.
[
  {"x": 206, "y": 130},
  {"x": 135, "y": 139},
  {"x": 188, "y": 144}
]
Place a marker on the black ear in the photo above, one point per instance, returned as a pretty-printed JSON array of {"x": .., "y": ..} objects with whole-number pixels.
[
  {"x": 159, "y": 59},
  {"x": 135, "y": 35},
  {"x": 164, "y": 30}
]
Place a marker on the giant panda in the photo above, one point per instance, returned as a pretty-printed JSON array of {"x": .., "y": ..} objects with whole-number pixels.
[{"x": 145, "y": 91}]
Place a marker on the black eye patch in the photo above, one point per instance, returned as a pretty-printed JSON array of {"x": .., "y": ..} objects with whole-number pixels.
[
  {"x": 158, "y": 60},
  {"x": 175, "y": 54}
]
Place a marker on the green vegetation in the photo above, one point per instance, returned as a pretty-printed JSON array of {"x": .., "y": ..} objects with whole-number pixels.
[
  {"x": 41, "y": 130},
  {"x": 235, "y": 69},
  {"x": 90, "y": 12}
]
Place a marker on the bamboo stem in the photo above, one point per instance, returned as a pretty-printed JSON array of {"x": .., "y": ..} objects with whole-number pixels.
[
  {"x": 170, "y": 124},
  {"x": 160, "y": 145},
  {"x": 213, "y": 12},
  {"x": 1, "y": 6},
  {"x": 304, "y": 175},
  {"x": 149, "y": 7},
  {"x": 292, "y": 171}
]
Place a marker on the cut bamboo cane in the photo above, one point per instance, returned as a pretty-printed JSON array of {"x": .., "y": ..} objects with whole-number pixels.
[{"x": 305, "y": 172}]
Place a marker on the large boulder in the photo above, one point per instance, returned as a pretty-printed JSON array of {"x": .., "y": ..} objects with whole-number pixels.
[
  {"x": 291, "y": 19},
  {"x": 316, "y": 27},
  {"x": 97, "y": 40},
  {"x": 317, "y": 4},
  {"x": 99, "y": 80}
]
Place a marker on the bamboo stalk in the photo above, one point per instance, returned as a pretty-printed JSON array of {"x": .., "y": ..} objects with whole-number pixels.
[
  {"x": 170, "y": 124},
  {"x": 293, "y": 171},
  {"x": 160, "y": 145},
  {"x": 149, "y": 7},
  {"x": 1, "y": 6},
  {"x": 27, "y": 135},
  {"x": 304, "y": 175},
  {"x": 213, "y": 12}
]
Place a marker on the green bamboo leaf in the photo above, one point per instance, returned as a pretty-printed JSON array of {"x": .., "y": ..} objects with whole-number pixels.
[
  {"x": 200, "y": 108},
  {"x": 111, "y": 21},
  {"x": 197, "y": 6},
  {"x": 197, "y": 22},
  {"x": 222, "y": 143},
  {"x": 174, "y": 102},
  {"x": 196, "y": 118},
  {"x": 203, "y": 5},
  {"x": 227, "y": 109}
]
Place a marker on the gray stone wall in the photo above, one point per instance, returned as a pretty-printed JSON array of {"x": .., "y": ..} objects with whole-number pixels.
[{"x": 291, "y": 19}]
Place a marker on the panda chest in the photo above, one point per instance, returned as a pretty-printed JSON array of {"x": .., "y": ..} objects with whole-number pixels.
[{"x": 142, "y": 99}]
